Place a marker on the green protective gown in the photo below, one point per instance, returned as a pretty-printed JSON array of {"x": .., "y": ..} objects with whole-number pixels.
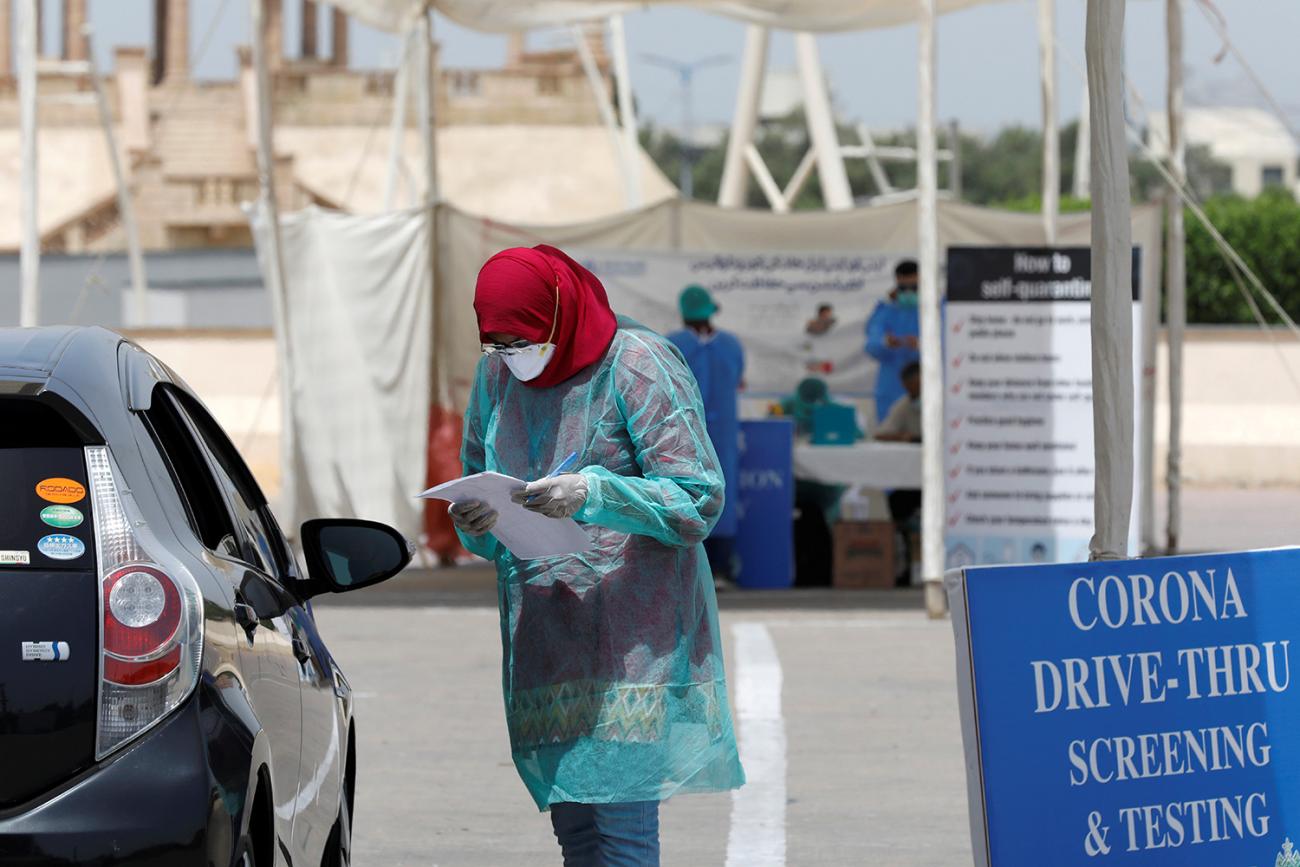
[{"x": 612, "y": 664}]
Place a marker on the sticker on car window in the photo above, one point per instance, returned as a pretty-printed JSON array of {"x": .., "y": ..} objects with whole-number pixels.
[
  {"x": 60, "y": 546},
  {"x": 60, "y": 490},
  {"x": 15, "y": 558},
  {"x": 63, "y": 517},
  {"x": 46, "y": 651}
]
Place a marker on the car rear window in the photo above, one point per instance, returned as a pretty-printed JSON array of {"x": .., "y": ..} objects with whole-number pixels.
[{"x": 25, "y": 423}]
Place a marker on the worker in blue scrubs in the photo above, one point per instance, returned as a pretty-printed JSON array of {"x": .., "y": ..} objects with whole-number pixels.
[
  {"x": 893, "y": 331},
  {"x": 718, "y": 362}
]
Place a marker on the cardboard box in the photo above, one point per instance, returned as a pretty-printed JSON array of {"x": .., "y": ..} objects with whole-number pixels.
[{"x": 864, "y": 554}]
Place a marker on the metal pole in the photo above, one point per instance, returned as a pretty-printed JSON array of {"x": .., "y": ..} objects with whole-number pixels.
[
  {"x": 626, "y": 111},
  {"x": 685, "y": 73},
  {"x": 927, "y": 192},
  {"x": 686, "y": 174},
  {"x": 1051, "y": 146},
  {"x": 821, "y": 126},
  {"x": 429, "y": 144},
  {"x": 1175, "y": 271},
  {"x": 397, "y": 130},
  {"x": 731, "y": 191},
  {"x": 954, "y": 166},
  {"x": 1112, "y": 289},
  {"x": 1083, "y": 151},
  {"x": 29, "y": 262},
  {"x": 424, "y": 107},
  {"x": 1150, "y": 324},
  {"x": 270, "y": 212},
  {"x": 125, "y": 208},
  {"x": 606, "y": 109}
]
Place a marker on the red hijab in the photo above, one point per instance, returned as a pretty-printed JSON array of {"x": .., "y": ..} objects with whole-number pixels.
[{"x": 516, "y": 294}]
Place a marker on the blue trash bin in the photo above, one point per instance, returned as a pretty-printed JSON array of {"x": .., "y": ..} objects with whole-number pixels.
[{"x": 765, "y": 538}]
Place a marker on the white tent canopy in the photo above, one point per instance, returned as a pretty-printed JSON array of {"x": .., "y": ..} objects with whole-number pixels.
[{"x": 829, "y": 16}]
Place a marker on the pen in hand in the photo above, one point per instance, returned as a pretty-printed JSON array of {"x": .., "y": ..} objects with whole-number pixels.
[{"x": 562, "y": 467}]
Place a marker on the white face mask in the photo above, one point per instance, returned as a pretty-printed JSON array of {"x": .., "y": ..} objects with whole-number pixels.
[{"x": 528, "y": 364}]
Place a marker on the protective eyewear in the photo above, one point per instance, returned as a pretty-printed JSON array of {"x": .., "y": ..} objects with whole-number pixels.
[{"x": 507, "y": 348}]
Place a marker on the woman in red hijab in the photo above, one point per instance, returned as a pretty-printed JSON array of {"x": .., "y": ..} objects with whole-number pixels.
[{"x": 612, "y": 667}]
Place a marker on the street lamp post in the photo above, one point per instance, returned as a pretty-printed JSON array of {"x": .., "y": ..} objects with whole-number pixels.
[{"x": 686, "y": 78}]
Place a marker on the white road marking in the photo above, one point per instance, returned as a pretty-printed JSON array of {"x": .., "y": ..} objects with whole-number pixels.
[
  {"x": 757, "y": 837},
  {"x": 860, "y": 622}
]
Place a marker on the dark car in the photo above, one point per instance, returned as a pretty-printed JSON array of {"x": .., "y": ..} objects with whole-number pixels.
[{"x": 165, "y": 695}]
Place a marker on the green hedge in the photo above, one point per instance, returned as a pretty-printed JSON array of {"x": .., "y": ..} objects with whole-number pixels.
[{"x": 1266, "y": 233}]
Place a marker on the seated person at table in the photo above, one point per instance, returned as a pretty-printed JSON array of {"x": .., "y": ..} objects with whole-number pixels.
[
  {"x": 903, "y": 423},
  {"x": 809, "y": 394},
  {"x": 817, "y": 504}
]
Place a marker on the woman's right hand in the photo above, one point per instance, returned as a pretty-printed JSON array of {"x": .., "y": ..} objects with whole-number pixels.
[{"x": 472, "y": 517}]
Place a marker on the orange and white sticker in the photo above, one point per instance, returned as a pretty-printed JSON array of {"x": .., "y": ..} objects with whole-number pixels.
[{"x": 61, "y": 490}]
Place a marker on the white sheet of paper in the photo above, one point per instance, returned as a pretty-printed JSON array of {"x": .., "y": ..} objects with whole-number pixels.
[{"x": 526, "y": 534}]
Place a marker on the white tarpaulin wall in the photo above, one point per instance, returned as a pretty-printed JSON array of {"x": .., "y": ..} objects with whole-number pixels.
[
  {"x": 466, "y": 241},
  {"x": 501, "y": 15},
  {"x": 769, "y": 299},
  {"x": 359, "y": 315},
  {"x": 358, "y": 326}
]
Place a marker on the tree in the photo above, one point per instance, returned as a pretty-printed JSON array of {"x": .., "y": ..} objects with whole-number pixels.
[{"x": 1265, "y": 232}]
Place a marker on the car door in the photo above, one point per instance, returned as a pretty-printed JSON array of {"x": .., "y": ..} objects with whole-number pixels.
[
  {"x": 270, "y": 669},
  {"x": 296, "y": 651}
]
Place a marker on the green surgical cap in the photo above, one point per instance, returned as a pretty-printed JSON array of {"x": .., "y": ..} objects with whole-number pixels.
[{"x": 696, "y": 304}]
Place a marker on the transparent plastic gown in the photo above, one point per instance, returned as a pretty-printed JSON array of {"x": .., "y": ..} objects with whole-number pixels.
[{"x": 612, "y": 665}]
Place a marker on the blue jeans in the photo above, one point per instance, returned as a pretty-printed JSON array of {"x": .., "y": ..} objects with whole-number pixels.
[{"x": 608, "y": 835}]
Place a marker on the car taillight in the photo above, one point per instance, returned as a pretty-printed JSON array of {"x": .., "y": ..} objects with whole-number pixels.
[
  {"x": 141, "y": 623},
  {"x": 151, "y": 645}
]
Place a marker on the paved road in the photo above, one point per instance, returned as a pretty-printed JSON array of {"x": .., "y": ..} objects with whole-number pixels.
[
  {"x": 873, "y": 758},
  {"x": 874, "y": 766}
]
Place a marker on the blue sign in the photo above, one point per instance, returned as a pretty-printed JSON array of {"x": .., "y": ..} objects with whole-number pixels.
[
  {"x": 765, "y": 539},
  {"x": 1135, "y": 712}
]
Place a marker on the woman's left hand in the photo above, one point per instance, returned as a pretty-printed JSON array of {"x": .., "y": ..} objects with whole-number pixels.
[{"x": 555, "y": 496}]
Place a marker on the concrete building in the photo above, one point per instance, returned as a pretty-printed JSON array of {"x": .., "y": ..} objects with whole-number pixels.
[
  {"x": 1254, "y": 143},
  {"x": 188, "y": 144}
]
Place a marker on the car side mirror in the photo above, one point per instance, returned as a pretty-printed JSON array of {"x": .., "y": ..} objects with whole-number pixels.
[{"x": 346, "y": 554}]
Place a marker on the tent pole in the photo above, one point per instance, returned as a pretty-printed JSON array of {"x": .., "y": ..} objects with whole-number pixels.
[
  {"x": 270, "y": 212},
  {"x": 424, "y": 72},
  {"x": 927, "y": 192},
  {"x": 626, "y": 111},
  {"x": 125, "y": 208},
  {"x": 397, "y": 129},
  {"x": 731, "y": 191},
  {"x": 29, "y": 262},
  {"x": 1051, "y": 148},
  {"x": 1175, "y": 272},
  {"x": 1112, "y": 288},
  {"x": 1082, "y": 151},
  {"x": 424, "y": 106},
  {"x": 821, "y": 126},
  {"x": 1150, "y": 323},
  {"x": 954, "y": 164},
  {"x": 606, "y": 108}
]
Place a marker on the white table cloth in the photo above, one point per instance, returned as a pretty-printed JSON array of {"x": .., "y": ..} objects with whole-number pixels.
[{"x": 873, "y": 464}]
